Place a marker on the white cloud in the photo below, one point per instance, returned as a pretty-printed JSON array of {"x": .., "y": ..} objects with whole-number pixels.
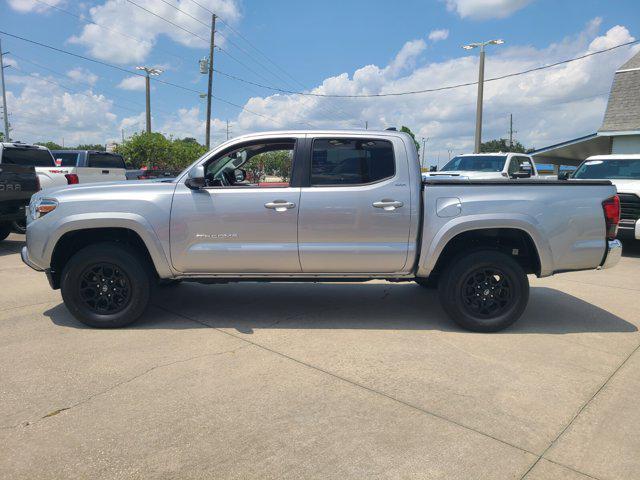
[
  {"x": 134, "y": 83},
  {"x": 548, "y": 106},
  {"x": 485, "y": 9},
  {"x": 440, "y": 34},
  {"x": 82, "y": 75},
  {"x": 126, "y": 18},
  {"x": 42, "y": 111},
  {"x": 26, "y": 6}
]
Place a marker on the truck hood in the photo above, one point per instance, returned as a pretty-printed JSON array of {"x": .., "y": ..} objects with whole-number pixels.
[
  {"x": 627, "y": 186},
  {"x": 106, "y": 188}
]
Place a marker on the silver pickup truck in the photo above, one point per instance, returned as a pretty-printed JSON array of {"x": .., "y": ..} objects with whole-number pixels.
[{"x": 318, "y": 206}]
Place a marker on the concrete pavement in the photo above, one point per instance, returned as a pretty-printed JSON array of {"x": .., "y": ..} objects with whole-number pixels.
[{"x": 322, "y": 381}]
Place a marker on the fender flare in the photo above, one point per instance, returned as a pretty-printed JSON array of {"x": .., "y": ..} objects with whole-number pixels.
[
  {"x": 129, "y": 221},
  {"x": 525, "y": 223}
]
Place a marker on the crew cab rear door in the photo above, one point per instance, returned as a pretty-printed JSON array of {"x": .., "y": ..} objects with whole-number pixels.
[{"x": 355, "y": 210}]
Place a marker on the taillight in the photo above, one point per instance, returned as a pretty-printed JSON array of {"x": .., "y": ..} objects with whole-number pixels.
[
  {"x": 72, "y": 178},
  {"x": 611, "y": 208}
]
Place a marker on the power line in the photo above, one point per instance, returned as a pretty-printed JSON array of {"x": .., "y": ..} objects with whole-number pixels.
[
  {"x": 168, "y": 21},
  {"x": 132, "y": 72},
  {"x": 90, "y": 22}
]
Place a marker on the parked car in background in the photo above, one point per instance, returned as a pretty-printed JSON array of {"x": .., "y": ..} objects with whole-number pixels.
[
  {"x": 17, "y": 184},
  {"x": 624, "y": 172},
  {"x": 319, "y": 206},
  {"x": 89, "y": 166},
  {"x": 36, "y": 156},
  {"x": 486, "y": 166}
]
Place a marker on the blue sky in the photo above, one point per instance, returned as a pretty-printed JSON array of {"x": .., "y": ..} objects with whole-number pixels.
[{"x": 316, "y": 42}]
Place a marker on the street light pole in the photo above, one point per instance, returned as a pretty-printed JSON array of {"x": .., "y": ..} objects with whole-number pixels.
[
  {"x": 210, "y": 82},
  {"x": 5, "y": 113},
  {"x": 147, "y": 81},
  {"x": 481, "y": 45}
]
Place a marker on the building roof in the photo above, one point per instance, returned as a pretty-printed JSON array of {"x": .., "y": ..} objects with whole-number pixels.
[
  {"x": 623, "y": 108},
  {"x": 573, "y": 152}
]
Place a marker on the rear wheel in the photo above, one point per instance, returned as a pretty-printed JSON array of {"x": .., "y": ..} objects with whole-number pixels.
[
  {"x": 5, "y": 230},
  {"x": 106, "y": 285},
  {"x": 484, "y": 291}
]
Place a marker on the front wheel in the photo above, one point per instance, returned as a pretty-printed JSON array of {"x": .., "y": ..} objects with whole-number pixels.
[
  {"x": 106, "y": 285},
  {"x": 485, "y": 291}
]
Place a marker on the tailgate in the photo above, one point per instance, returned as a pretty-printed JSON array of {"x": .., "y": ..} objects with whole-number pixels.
[{"x": 17, "y": 182}]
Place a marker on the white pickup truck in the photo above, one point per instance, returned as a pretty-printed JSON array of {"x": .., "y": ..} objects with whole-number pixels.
[
  {"x": 91, "y": 166},
  {"x": 318, "y": 206},
  {"x": 488, "y": 166},
  {"x": 36, "y": 156},
  {"x": 624, "y": 172}
]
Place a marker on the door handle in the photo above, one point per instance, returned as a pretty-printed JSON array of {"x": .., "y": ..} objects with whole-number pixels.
[
  {"x": 279, "y": 205},
  {"x": 387, "y": 204},
  {"x": 105, "y": 172}
]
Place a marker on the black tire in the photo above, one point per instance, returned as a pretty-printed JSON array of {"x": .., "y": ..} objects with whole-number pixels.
[
  {"x": 484, "y": 291},
  {"x": 430, "y": 283},
  {"x": 87, "y": 289},
  {"x": 19, "y": 226},
  {"x": 5, "y": 230}
]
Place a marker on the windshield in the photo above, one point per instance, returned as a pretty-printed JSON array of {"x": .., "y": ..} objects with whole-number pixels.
[
  {"x": 29, "y": 157},
  {"x": 476, "y": 163},
  {"x": 609, "y": 169}
]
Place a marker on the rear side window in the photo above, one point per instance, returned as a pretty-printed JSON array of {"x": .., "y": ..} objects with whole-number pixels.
[
  {"x": 343, "y": 161},
  {"x": 105, "y": 160},
  {"x": 30, "y": 157},
  {"x": 67, "y": 159}
]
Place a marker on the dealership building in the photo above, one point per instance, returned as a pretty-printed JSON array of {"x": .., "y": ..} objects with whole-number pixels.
[{"x": 620, "y": 130}]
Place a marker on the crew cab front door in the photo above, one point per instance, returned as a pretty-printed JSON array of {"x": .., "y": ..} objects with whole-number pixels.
[{"x": 244, "y": 221}]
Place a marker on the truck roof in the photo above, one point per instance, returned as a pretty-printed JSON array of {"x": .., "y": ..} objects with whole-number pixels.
[
  {"x": 22, "y": 145},
  {"x": 617, "y": 156},
  {"x": 491, "y": 154}
]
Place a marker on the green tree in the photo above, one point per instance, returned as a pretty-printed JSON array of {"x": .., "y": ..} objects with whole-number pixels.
[
  {"x": 408, "y": 130},
  {"x": 185, "y": 151},
  {"x": 501, "y": 145},
  {"x": 146, "y": 150},
  {"x": 90, "y": 146},
  {"x": 50, "y": 145}
]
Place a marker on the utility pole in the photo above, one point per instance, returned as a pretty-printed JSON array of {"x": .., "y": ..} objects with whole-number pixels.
[
  {"x": 511, "y": 132},
  {"x": 227, "y": 129},
  {"x": 147, "y": 80},
  {"x": 211, "y": 45},
  {"x": 481, "y": 45},
  {"x": 4, "y": 98},
  {"x": 366, "y": 124},
  {"x": 424, "y": 151}
]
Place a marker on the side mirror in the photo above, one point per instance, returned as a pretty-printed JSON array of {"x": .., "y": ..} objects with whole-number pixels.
[
  {"x": 196, "y": 179},
  {"x": 563, "y": 175},
  {"x": 240, "y": 175},
  {"x": 433, "y": 168}
]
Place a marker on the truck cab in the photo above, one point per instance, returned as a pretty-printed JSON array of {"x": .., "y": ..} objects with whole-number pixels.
[
  {"x": 91, "y": 166},
  {"x": 488, "y": 166}
]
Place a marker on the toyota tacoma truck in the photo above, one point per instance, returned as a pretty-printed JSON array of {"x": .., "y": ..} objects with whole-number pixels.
[
  {"x": 318, "y": 206},
  {"x": 486, "y": 166}
]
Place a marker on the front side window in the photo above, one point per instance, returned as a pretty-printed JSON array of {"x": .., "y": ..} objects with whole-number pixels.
[
  {"x": 257, "y": 165},
  {"x": 609, "y": 170},
  {"x": 520, "y": 164},
  {"x": 105, "y": 160},
  {"x": 29, "y": 157},
  {"x": 351, "y": 161},
  {"x": 475, "y": 163}
]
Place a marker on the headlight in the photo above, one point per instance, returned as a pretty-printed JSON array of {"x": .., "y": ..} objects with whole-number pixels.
[{"x": 41, "y": 206}]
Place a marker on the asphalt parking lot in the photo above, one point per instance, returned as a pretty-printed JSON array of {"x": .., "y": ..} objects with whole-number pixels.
[{"x": 322, "y": 381}]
